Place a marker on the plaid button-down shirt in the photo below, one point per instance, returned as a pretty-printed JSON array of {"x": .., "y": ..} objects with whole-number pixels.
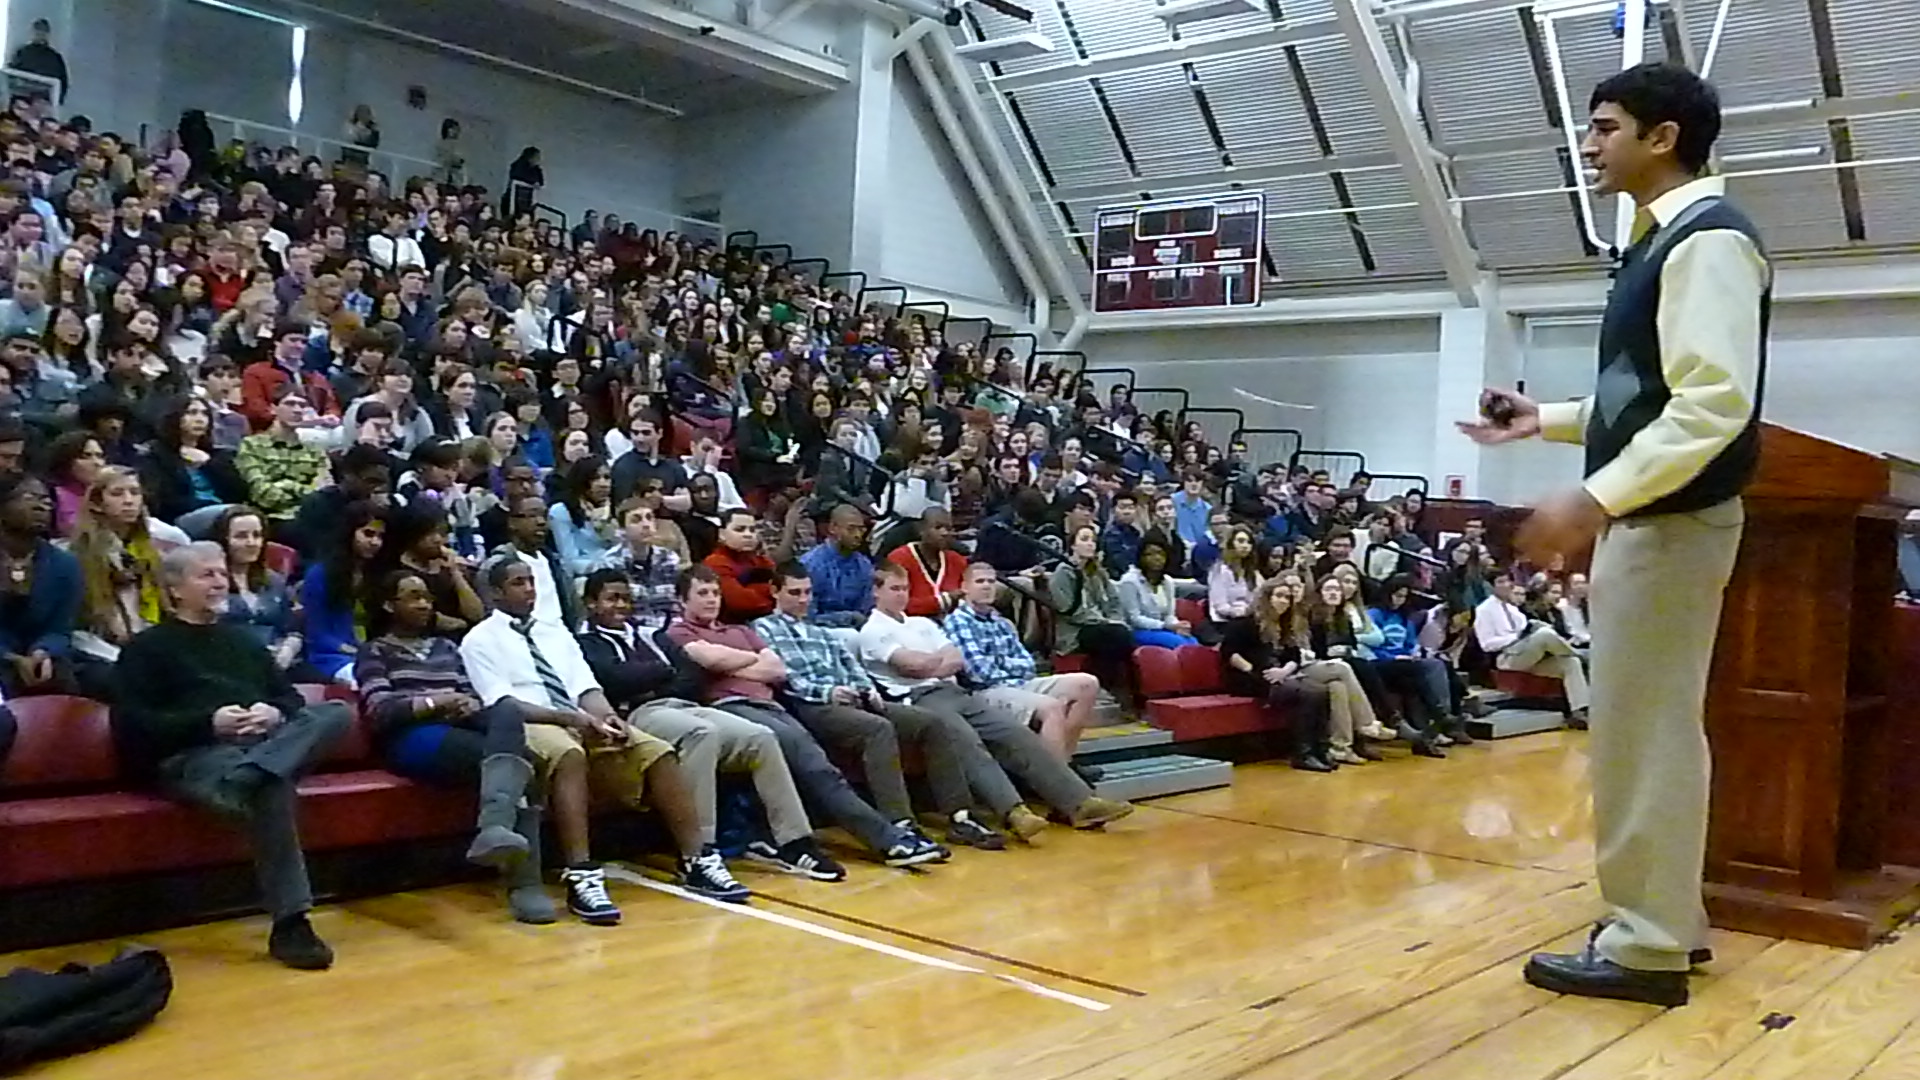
[
  {"x": 279, "y": 474},
  {"x": 816, "y": 660},
  {"x": 654, "y": 579},
  {"x": 991, "y": 647}
]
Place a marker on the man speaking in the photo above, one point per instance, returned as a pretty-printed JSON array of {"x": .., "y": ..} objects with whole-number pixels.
[{"x": 1672, "y": 436}]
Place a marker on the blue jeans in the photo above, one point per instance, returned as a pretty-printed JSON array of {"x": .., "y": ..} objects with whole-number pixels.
[{"x": 1166, "y": 639}]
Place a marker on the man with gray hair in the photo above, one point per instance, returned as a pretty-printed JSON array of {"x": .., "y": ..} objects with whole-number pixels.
[{"x": 204, "y": 710}]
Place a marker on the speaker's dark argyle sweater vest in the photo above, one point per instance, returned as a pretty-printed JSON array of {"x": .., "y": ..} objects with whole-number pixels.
[{"x": 1632, "y": 388}]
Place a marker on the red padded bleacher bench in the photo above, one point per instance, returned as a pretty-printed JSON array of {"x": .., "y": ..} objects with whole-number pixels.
[
  {"x": 67, "y": 813},
  {"x": 1525, "y": 684},
  {"x": 1183, "y": 688}
]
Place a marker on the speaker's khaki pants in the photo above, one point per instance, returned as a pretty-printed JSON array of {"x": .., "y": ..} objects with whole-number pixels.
[{"x": 1657, "y": 589}]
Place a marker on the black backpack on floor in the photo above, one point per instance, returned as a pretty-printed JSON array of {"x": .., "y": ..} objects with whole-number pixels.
[{"x": 46, "y": 1015}]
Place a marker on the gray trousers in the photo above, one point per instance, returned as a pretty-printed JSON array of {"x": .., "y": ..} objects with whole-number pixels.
[
  {"x": 817, "y": 777},
  {"x": 1013, "y": 748},
  {"x": 710, "y": 740},
  {"x": 1658, "y": 583},
  {"x": 1545, "y": 652},
  {"x": 254, "y": 781},
  {"x": 945, "y": 741}
]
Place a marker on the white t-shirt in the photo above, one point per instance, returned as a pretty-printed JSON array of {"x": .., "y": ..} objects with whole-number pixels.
[{"x": 884, "y": 635}]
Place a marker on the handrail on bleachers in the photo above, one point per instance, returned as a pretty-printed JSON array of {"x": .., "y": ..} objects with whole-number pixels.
[
  {"x": 1178, "y": 391},
  {"x": 860, "y": 298},
  {"x": 1239, "y": 416},
  {"x": 770, "y": 249},
  {"x": 1034, "y": 363},
  {"x": 1242, "y": 435},
  {"x": 1032, "y": 340},
  {"x": 749, "y": 234},
  {"x": 1418, "y": 483},
  {"x": 946, "y": 310},
  {"x": 849, "y": 275},
  {"x": 1321, "y": 457},
  {"x": 826, "y": 267},
  {"x": 950, "y": 330}
]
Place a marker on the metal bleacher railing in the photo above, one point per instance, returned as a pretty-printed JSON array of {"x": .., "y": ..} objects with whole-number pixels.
[{"x": 1071, "y": 366}]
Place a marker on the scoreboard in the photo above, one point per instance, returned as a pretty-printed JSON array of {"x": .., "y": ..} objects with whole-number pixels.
[{"x": 1200, "y": 251}]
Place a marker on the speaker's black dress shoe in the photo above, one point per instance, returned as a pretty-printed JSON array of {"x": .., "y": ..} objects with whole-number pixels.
[
  {"x": 1588, "y": 974},
  {"x": 1697, "y": 957}
]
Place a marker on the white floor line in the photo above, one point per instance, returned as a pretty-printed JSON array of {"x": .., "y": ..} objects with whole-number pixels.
[{"x": 632, "y": 877}]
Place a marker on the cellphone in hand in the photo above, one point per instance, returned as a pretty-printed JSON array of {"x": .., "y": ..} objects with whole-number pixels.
[{"x": 1498, "y": 408}]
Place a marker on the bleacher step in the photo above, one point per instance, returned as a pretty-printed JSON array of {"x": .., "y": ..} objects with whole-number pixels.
[
  {"x": 1165, "y": 774},
  {"x": 1507, "y": 723},
  {"x": 1108, "y": 738}
]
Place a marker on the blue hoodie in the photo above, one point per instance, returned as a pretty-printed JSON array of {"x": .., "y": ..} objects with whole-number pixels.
[{"x": 1403, "y": 637}]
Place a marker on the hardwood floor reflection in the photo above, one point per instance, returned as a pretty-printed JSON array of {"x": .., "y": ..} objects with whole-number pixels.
[{"x": 1362, "y": 924}]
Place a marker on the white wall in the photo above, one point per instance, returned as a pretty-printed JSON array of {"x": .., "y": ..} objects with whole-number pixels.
[
  {"x": 597, "y": 153},
  {"x": 784, "y": 170},
  {"x": 141, "y": 61},
  {"x": 1372, "y": 384},
  {"x": 1848, "y": 371},
  {"x": 937, "y": 237}
]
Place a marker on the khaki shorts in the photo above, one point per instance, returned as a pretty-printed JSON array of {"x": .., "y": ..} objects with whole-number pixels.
[
  {"x": 1021, "y": 702},
  {"x": 616, "y": 774}
]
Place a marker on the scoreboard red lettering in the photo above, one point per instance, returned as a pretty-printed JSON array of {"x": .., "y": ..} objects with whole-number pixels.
[{"x": 1200, "y": 251}]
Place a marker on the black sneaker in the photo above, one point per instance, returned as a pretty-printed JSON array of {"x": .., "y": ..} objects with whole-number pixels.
[
  {"x": 706, "y": 874},
  {"x": 801, "y": 857},
  {"x": 587, "y": 896},
  {"x": 912, "y": 849},
  {"x": 963, "y": 831},
  {"x": 294, "y": 944},
  {"x": 912, "y": 828}
]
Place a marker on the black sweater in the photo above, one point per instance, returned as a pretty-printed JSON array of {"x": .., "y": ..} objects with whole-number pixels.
[
  {"x": 173, "y": 676},
  {"x": 1241, "y": 637}
]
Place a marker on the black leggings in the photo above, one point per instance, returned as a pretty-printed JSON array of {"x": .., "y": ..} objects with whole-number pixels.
[
  {"x": 1374, "y": 685},
  {"x": 1309, "y": 707},
  {"x": 8, "y": 726},
  {"x": 449, "y": 755}
]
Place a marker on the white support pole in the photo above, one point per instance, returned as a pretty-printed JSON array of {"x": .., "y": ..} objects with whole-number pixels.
[
  {"x": 1411, "y": 146},
  {"x": 1041, "y": 245},
  {"x": 963, "y": 152},
  {"x": 1633, "y": 49},
  {"x": 905, "y": 40}
]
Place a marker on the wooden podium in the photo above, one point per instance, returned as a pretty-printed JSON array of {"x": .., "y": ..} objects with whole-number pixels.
[{"x": 1798, "y": 709}]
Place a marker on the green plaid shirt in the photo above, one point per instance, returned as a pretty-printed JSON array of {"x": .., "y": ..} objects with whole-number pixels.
[{"x": 279, "y": 474}]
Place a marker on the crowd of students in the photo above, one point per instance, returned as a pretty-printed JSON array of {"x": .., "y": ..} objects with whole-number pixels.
[{"x": 592, "y": 516}]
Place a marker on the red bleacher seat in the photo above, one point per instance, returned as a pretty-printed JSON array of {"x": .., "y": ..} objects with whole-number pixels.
[
  {"x": 1070, "y": 663},
  {"x": 1199, "y": 669},
  {"x": 67, "y": 813},
  {"x": 1193, "y": 611},
  {"x": 1525, "y": 684},
  {"x": 1159, "y": 671},
  {"x": 1208, "y": 716},
  {"x": 280, "y": 559}
]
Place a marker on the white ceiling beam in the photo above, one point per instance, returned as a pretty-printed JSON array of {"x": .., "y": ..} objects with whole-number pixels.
[
  {"x": 395, "y": 33},
  {"x": 1495, "y": 146},
  {"x": 1410, "y": 145},
  {"x": 767, "y": 22},
  {"x": 718, "y": 43},
  {"x": 1186, "y": 50}
]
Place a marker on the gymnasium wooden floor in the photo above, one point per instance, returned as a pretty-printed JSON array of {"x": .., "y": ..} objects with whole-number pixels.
[{"x": 1363, "y": 925}]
